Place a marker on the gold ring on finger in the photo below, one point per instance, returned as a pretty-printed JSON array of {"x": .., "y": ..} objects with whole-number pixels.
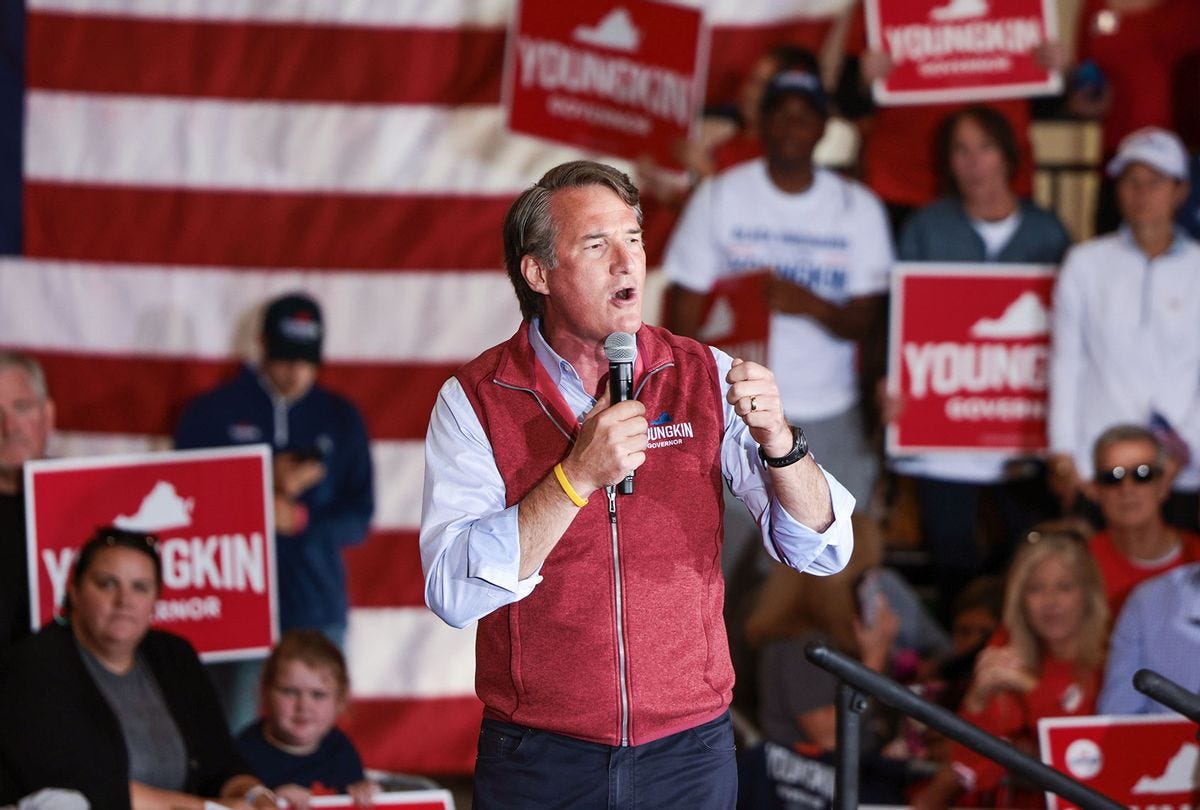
[{"x": 754, "y": 403}]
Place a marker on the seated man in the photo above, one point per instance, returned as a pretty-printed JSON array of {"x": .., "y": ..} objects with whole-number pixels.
[
  {"x": 1159, "y": 629},
  {"x": 1131, "y": 484},
  {"x": 26, "y": 421}
]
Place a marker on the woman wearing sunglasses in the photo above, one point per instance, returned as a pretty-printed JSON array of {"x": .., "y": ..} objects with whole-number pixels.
[
  {"x": 99, "y": 702},
  {"x": 1056, "y": 620},
  {"x": 1131, "y": 484}
]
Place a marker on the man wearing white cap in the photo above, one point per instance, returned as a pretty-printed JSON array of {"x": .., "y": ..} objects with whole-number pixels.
[{"x": 1126, "y": 337}]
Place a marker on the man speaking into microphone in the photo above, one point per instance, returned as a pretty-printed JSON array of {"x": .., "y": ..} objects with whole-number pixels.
[{"x": 601, "y": 656}]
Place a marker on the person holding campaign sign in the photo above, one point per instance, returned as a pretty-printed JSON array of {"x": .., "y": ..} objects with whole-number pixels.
[
  {"x": 1126, "y": 348},
  {"x": 324, "y": 490},
  {"x": 99, "y": 702},
  {"x": 823, "y": 245},
  {"x": 981, "y": 219},
  {"x": 296, "y": 747},
  {"x": 602, "y": 660}
]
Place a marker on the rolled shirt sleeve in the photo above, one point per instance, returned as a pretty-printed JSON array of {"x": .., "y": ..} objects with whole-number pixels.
[
  {"x": 470, "y": 547},
  {"x": 786, "y": 539}
]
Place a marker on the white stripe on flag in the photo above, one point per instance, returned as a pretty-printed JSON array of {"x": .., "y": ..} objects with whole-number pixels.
[
  {"x": 222, "y": 144},
  {"x": 393, "y": 13},
  {"x": 412, "y": 13},
  {"x": 408, "y": 652},
  {"x": 197, "y": 312}
]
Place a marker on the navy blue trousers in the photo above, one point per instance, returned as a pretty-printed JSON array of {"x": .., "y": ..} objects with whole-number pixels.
[{"x": 521, "y": 767}]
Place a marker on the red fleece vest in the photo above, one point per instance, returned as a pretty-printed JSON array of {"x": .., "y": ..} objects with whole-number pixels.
[{"x": 553, "y": 660}]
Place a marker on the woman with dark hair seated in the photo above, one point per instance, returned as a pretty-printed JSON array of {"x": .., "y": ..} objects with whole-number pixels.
[{"x": 99, "y": 702}]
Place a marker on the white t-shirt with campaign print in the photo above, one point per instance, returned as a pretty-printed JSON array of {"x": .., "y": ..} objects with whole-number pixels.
[{"x": 832, "y": 238}]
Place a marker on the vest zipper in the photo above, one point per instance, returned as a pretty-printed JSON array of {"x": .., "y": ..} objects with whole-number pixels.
[
  {"x": 538, "y": 399},
  {"x": 622, "y": 662},
  {"x": 622, "y": 655}
]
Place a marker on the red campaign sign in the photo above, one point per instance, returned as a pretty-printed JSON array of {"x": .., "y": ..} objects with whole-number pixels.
[
  {"x": 210, "y": 511},
  {"x": 961, "y": 50},
  {"x": 407, "y": 800},
  {"x": 1142, "y": 761},
  {"x": 736, "y": 319},
  {"x": 968, "y": 352},
  {"x": 619, "y": 78}
]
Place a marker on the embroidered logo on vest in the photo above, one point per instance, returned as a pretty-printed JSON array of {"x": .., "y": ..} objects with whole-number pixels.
[{"x": 664, "y": 433}]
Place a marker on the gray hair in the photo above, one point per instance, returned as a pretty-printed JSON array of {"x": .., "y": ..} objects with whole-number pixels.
[
  {"x": 529, "y": 228},
  {"x": 25, "y": 362},
  {"x": 1128, "y": 433}
]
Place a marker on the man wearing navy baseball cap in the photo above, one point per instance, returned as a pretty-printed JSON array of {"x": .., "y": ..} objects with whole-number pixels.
[
  {"x": 324, "y": 497},
  {"x": 821, "y": 244}
]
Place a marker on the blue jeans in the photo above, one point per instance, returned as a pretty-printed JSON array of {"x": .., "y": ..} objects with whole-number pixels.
[{"x": 528, "y": 768}]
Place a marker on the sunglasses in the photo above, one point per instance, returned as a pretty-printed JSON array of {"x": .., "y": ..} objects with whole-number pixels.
[{"x": 1141, "y": 474}]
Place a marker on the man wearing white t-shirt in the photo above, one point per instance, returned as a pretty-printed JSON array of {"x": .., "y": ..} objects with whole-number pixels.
[{"x": 825, "y": 243}]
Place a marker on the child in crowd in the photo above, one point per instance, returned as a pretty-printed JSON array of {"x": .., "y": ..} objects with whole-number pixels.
[{"x": 295, "y": 747}]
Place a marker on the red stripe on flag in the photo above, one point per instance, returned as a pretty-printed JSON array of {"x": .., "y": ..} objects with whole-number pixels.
[
  {"x": 245, "y": 60},
  {"x": 143, "y": 395},
  {"x": 263, "y": 229},
  {"x": 419, "y": 735},
  {"x": 385, "y": 571}
]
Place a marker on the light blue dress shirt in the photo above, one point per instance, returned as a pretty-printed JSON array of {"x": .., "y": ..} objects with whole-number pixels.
[{"x": 1159, "y": 629}]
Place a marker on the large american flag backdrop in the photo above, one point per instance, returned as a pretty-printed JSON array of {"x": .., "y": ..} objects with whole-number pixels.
[{"x": 183, "y": 160}]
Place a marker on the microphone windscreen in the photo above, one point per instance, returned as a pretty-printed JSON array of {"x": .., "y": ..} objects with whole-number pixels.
[{"x": 620, "y": 347}]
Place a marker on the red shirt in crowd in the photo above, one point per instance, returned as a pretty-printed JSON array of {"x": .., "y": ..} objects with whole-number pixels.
[
  {"x": 1122, "y": 575},
  {"x": 1141, "y": 54},
  {"x": 1062, "y": 690}
]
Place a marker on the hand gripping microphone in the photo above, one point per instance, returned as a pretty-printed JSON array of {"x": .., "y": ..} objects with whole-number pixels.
[{"x": 621, "y": 350}]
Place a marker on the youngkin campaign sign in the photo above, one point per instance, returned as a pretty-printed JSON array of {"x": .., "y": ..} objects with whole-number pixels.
[
  {"x": 408, "y": 800},
  {"x": 968, "y": 349},
  {"x": 1145, "y": 762},
  {"x": 183, "y": 161},
  {"x": 623, "y": 77},
  {"x": 212, "y": 512},
  {"x": 961, "y": 50}
]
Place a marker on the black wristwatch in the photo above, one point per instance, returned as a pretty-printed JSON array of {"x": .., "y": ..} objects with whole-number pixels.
[{"x": 799, "y": 450}]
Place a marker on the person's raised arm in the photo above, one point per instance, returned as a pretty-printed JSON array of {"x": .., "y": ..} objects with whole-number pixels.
[{"x": 800, "y": 488}]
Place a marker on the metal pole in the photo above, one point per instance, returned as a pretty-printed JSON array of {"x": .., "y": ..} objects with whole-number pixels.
[
  {"x": 850, "y": 706},
  {"x": 890, "y": 693},
  {"x": 1170, "y": 694}
]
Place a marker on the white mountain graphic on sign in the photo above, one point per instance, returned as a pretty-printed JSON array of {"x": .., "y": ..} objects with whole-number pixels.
[
  {"x": 162, "y": 508},
  {"x": 1024, "y": 318},
  {"x": 1179, "y": 777},
  {"x": 615, "y": 31},
  {"x": 959, "y": 10}
]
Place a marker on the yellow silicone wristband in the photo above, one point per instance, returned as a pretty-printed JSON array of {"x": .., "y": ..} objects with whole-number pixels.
[{"x": 567, "y": 488}]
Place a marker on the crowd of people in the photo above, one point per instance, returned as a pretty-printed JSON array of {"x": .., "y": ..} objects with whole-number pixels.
[
  {"x": 1044, "y": 565},
  {"x": 604, "y": 629}
]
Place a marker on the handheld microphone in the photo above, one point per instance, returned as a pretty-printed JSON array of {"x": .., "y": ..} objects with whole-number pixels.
[{"x": 621, "y": 350}]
